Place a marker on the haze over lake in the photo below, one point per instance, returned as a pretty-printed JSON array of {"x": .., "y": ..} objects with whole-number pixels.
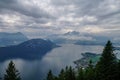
[{"x": 56, "y": 59}]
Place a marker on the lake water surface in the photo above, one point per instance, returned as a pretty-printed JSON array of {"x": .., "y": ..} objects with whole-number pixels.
[{"x": 55, "y": 60}]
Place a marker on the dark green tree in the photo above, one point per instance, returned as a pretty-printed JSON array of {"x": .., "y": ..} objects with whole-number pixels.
[
  {"x": 90, "y": 72},
  {"x": 80, "y": 75},
  {"x": 106, "y": 67},
  {"x": 69, "y": 73},
  {"x": 62, "y": 75},
  {"x": 11, "y": 72},
  {"x": 66, "y": 73},
  {"x": 50, "y": 76},
  {"x": 118, "y": 71}
]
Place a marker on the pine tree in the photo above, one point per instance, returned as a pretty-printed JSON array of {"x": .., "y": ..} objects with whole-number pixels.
[
  {"x": 80, "y": 75},
  {"x": 62, "y": 75},
  {"x": 11, "y": 72},
  {"x": 50, "y": 75},
  {"x": 106, "y": 67},
  {"x": 90, "y": 72},
  {"x": 69, "y": 73},
  {"x": 118, "y": 71}
]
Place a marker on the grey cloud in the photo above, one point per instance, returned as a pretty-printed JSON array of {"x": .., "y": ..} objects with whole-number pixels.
[
  {"x": 76, "y": 15},
  {"x": 96, "y": 8},
  {"x": 33, "y": 11}
]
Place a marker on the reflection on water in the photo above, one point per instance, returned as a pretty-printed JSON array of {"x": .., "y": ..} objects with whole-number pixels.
[{"x": 56, "y": 59}]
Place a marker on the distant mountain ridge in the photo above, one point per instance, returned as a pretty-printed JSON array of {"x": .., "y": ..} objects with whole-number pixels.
[
  {"x": 7, "y": 39},
  {"x": 28, "y": 50},
  {"x": 79, "y": 38}
]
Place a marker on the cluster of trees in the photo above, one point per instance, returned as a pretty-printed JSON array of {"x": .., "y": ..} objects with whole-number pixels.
[
  {"x": 11, "y": 73},
  {"x": 107, "y": 68}
]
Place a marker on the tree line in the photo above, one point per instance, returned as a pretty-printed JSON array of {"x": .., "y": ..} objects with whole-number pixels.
[{"x": 107, "y": 68}]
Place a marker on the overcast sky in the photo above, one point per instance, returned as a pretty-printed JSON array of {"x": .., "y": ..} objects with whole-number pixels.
[{"x": 39, "y": 18}]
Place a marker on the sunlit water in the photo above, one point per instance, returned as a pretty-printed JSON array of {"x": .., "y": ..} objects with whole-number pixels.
[{"x": 55, "y": 60}]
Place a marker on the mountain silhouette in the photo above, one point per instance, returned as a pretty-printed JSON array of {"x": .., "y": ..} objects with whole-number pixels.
[{"x": 28, "y": 50}]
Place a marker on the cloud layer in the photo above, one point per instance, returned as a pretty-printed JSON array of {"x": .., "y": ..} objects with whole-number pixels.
[{"x": 40, "y": 18}]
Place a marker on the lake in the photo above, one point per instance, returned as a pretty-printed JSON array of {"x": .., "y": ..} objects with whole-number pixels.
[{"x": 55, "y": 60}]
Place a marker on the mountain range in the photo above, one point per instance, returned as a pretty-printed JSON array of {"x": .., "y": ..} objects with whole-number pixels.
[
  {"x": 28, "y": 50},
  {"x": 74, "y": 37}
]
